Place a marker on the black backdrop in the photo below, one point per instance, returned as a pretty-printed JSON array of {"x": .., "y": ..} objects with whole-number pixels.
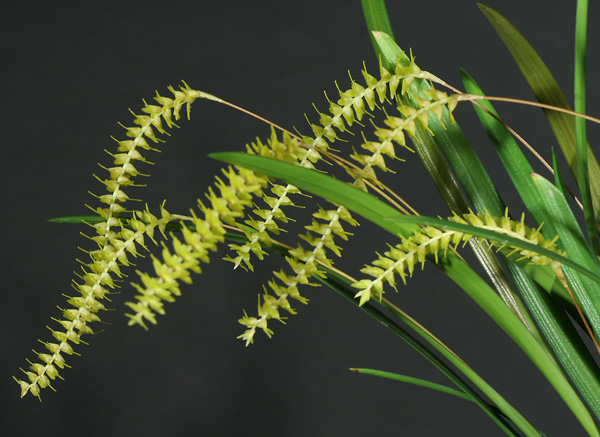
[{"x": 70, "y": 70}]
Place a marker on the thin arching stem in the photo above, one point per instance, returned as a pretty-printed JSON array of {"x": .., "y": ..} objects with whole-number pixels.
[
  {"x": 247, "y": 112},
  {"x": 471, "y": 97},
  {"x": 401, "y": 204}
]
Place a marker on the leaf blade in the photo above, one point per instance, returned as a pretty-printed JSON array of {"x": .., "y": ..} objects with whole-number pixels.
[
  {"x": 457, "y": 270},
  {"x": 414, "y": 381},
  {"x": 546, "y": 90}
]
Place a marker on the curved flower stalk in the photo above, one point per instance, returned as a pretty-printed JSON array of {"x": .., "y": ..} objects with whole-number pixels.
[
  {"x": 114, "y": 238},
  {"x": 430, "y": 241},
  {"x": 349, "y": 109}
]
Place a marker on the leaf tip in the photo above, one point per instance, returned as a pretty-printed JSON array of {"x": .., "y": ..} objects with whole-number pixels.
[
  {"x": 220, "y": 156},
  {"x": 378, "y": 34},
  {"x": 483, "y": 8}
]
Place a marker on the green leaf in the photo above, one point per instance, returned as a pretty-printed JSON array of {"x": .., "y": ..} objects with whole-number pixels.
[
  {"x": 415, "y": 381},
  {"x": 323, "y": 185},
  {"x": 78, "y": 219},
  {"x": 563, "y": 338},
  {"x": 372, "y": 208},
  {"x": 580, "y": 131},
  {"x": 343, "y": 287},
  {"x": 564, "y": 224},
  {"x": 547, "y": 91},
  {"x": 510, "y": 154},
  {"x": 558, "y": 180},
  {"x": 519, "y": 170},
  {"x": 392, "y": 220},
  {"x": 558, "y": 329},
  {"x": 377, "y": 19}
]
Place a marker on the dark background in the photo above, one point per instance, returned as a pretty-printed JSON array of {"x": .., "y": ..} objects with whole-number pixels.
[{"x": 70, "y": 70}]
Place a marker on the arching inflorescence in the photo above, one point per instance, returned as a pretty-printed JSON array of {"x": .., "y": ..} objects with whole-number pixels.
[
  {"x": 122, "y": 230},
  {"x": 348, "y": 110},
  {"x": 115, "y": 239},
  {"x": 433, "y": 242}
]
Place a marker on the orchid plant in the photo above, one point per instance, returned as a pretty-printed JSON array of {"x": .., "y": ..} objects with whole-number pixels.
[{"x": 542, "y": 269}]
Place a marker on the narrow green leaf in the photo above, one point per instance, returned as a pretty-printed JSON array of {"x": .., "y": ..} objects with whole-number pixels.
[
  {"x": 557, "y": 328},
  {"x": 414, "y": 381},
  {"x": 342, "y": 286},
  {"x": 322, "y": 185},
  {"x": 377, "y": 19},
  {"x": 469, "y": 169},
  {"x": 510, "y": 154},
  {"x": 565, "y": 225},
  {"x": 547, "y": 91},
  {"x": 446, "y": 140},
  {"x": 558, "y": 180},
  {"x": 564, "y": 340},
  {"x": 580, "y": 130},
  {"x": 373, "y": 209},
  {"x": 376, "y": 16},
  {"x": 392, "y": 220},
  {"x": 519, "y": 170},
  {"x": 77, "y": 219},
  {"x": 497, "y": 237},
  {"x": 170, "y": 227}
]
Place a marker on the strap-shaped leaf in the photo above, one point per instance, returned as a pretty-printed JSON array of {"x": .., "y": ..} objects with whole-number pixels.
[
  {"x": 556, "y": 326},
  {"x": 519, "y": 170},
  {"x": 395, "y": 222},
  {"x": 372, "y": 208},
  {"x": 414, "y": 381},
  {"x": 342, "y": 286},
  {"x": 546, "y": 90},
  {"x": 444, "y": 151},
  {"x": 580, "y": 127},
  {"x": 565, "y": 225}
]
